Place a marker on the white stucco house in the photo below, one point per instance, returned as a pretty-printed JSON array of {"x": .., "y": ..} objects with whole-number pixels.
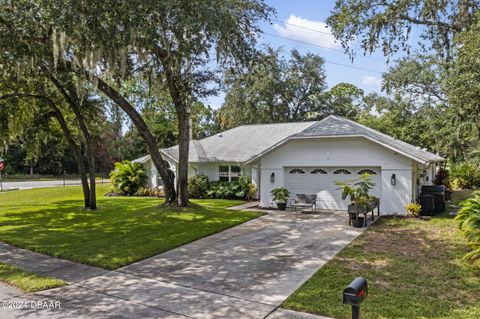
[{"x": 307, "y": 158}]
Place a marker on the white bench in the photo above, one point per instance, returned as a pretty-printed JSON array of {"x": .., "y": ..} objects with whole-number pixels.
[{"x": 304, "y": 201}]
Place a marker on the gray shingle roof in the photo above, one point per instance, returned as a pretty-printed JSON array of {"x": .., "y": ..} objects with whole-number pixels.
[
  {"x": 337, "y": 126},
  {"x": 249, "y": 142},
  {"x": 240, "y": 143}
]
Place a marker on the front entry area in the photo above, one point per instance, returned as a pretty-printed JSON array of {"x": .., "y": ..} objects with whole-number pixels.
[{"x": 321, "y": 181}]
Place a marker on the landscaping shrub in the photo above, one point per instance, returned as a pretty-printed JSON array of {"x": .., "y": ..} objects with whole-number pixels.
[
  {"x": 150, "y": 192},
  {"x": 441, "y": 177},
  {"x": 252, "y": 191},
  {"x": 198, "y": 186},
  {"x": 469, "y": 217},
  {"x": 225, "y": 190},
  {"x": 413, "y": 209},
  {"x": 127, "y": 178},
  {"x": 201, "y": 187},
  {"x": 238, "y": 189},
  {"x": 465, "y": 174}
]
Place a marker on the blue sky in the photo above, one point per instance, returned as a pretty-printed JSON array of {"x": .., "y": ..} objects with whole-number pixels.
[{"x": 301, "y": 15}]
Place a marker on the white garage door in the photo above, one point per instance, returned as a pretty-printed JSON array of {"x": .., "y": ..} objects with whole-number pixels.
[{"x": 321, "y": 181}]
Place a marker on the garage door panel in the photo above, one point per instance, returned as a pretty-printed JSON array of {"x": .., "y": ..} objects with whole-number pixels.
[{"x": 323, "y": 185}]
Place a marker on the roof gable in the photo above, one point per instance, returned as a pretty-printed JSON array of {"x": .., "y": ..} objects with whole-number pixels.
[{"x": 337, "y": 126}]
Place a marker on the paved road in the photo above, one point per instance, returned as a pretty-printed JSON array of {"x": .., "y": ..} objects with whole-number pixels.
[
  {"x": 40, "y": 184},
  {"x": 243, "y": 272}
]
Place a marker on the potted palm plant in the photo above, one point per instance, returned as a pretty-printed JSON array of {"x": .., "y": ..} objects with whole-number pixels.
[
  {"x": 280, "y": 196},
  {"x": 360, "y": 201}
]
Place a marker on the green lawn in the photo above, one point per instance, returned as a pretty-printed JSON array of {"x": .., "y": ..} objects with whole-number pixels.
[
  {"x": 123, "y": 230},
  {"x": 413, "y": 267},
  {"x": 26, "y": 281}
]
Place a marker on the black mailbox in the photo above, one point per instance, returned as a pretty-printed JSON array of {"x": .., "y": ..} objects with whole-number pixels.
[{"x": 356, "y": 292}]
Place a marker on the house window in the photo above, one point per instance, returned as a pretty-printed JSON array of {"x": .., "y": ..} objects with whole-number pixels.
[
  {"x": 223, "y": 173},
  {"x": 318, "y": 171},
  {"x": 297, "y": 171},
  {"x": 367, "y": 170},
  {"x": 342, "y": 171},
  {"x": 227, "y": 173},
  {"x": 235, "y": 172}
]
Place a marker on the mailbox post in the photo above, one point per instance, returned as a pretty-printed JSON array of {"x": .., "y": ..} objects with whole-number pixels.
[{"x": 355, "y": 294}]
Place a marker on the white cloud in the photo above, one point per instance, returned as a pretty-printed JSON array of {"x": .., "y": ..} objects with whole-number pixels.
[
  {"x": 298, "y": 29},
  {"x": 371, "y": 81}
]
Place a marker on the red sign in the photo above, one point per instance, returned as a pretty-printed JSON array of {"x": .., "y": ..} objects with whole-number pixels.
[{"x": 2, "y": 166}]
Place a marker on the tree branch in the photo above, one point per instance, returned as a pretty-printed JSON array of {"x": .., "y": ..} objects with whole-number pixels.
[
  {"x": 452, "y": 26},
  {"x": 34, "y": 96}
]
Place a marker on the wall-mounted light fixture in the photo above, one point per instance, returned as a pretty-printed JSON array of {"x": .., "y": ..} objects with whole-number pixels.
[
  {"x": 393, "y": 179},
  {"x": 272, "y": 178}
]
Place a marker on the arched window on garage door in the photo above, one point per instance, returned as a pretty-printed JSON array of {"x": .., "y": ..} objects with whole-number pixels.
[
  {"x": 318, "y": 171},
  {"x": 342, "y": 171},
  {"x": 368, "y": 171},
  {"x": 296, "y": 171}
]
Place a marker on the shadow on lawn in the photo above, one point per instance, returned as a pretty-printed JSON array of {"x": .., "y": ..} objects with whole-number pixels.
[{"x": 121, "y": 231}]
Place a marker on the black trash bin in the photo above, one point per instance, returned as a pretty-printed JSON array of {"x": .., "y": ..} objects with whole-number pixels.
[
  {"x": 428, "y": 204},
  {"x": 440, "y": 194}
]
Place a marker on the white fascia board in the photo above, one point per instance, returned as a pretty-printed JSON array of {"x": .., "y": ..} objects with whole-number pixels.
[
  {"x": 169, "y": 156},
  {"x": 333, "y": 136}
]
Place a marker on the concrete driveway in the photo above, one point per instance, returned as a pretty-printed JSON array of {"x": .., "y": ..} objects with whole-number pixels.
[{"x": 243, "y": 272}]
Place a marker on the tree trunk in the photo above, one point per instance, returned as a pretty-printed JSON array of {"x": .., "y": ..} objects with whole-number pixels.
[
  {"x": 143, "y": 130},
  {"x": 76, "y": 152},
  {"x": 183, "y": 115},
  {"x": 183, "y": 149},
  {"x": 72, "y": 100},
  {"x": 91, "y": 171}
]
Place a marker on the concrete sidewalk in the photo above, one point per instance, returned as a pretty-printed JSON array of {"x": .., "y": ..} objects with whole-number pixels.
[{"x": 27, "y": 260}]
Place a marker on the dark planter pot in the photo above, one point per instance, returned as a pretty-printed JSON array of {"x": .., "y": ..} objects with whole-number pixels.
[
  {"x": 282, "y": 206},
  {"x": 358, "y": 222}
]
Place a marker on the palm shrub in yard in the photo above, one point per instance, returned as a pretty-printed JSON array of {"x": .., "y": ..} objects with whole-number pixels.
[
  {"x": 128, "y": 178},
  {"x": 465, "y": 174},
  {"x": 469, "y": 217}
]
